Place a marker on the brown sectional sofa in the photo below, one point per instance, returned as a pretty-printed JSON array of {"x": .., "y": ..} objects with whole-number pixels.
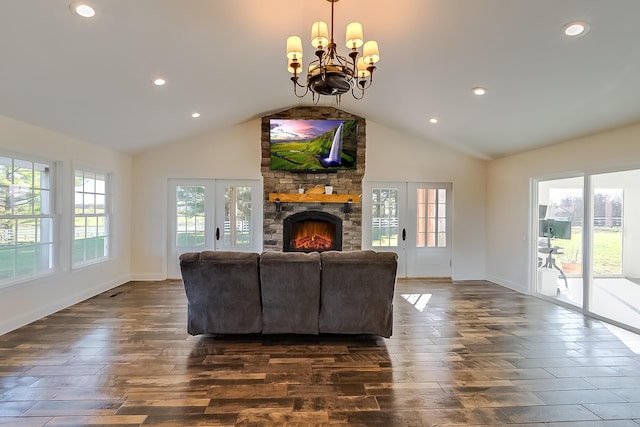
[{"x": 289, "y": 292}]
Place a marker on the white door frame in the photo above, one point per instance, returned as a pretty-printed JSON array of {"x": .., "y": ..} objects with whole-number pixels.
[
  {"x": 256, "y": 214},
  {"x": 406, "y": 246},
  {"x": 398, "y": 246},
  {"x": 213, "y": 218},
  {"x": 430, "y": 259}
]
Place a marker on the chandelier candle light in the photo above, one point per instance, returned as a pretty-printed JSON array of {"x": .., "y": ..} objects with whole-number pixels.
[{"x": 330, "y": 73}]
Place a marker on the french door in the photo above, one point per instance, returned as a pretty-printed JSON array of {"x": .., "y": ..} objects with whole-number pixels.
[
  {"x": 413, "y": 220},
  {"x": 207, "y": 214}
]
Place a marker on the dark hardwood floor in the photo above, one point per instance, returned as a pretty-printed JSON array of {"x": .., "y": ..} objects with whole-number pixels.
[{"x": 462, "y": 353}]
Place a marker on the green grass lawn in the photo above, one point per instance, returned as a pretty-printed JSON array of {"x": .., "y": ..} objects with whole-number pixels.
[
  {"x": 30, "y": 258},
  {"x": 607, "y": 249},
  {"x": 190, "y": 240},
  {"x": 88, "y": 249},
  {"x": 384, "y": 238}
]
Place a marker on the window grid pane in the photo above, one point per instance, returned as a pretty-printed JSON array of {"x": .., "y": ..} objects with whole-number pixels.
[
  {"x": 431, "y": 217},
  {"x": 91, "y": 219},
  {"x": 190, "y": 225},
  {"x": 26, "y": 227},
  {"x": 237, "y": 217},
  {"x": 384, "y": 227}
]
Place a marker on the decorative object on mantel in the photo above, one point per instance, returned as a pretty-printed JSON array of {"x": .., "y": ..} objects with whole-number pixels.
[
  {"x": 318, "y": 189},
  {"x": 330, "y": 73}
]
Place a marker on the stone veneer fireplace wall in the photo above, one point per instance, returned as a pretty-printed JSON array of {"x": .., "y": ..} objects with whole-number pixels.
[{"x": 343, "y": 182}]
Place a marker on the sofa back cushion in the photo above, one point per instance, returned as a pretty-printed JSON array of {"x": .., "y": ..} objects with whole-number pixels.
[
  {"x": 290, "y": 286},
  {"x": 357, "y": 292}
]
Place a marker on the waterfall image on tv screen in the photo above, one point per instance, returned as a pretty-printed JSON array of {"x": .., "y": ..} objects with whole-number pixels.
[{"x": 313, "y": 145}]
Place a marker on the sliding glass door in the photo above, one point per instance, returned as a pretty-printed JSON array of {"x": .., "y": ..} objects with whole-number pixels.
[
  {"x": 614, "y": 288},
  {"x": 559, "y": 237},
  {"x": 586, "y": 248}
]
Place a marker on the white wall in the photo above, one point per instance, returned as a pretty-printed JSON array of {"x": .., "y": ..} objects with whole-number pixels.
[
  {"x": 235, "y": 154},
  {"x": 508, "y": 194},
  {"x": 25, "y": 302},
  {"x": 232, "y": 153},
  {"x": 393, "y": 156}
]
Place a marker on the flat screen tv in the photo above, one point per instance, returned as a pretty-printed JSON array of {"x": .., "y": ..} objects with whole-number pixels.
[
  {"x": 299, "y": 145},
  {"x": 555, "y": 229}
]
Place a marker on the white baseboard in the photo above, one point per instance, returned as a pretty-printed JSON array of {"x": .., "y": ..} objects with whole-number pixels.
[
  {"x": 518, "y": 287},
  {"x": 151, "y": 277}
]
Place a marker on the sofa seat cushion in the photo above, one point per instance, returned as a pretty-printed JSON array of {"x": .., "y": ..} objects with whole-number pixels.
[{"x": 290, "y": 286}]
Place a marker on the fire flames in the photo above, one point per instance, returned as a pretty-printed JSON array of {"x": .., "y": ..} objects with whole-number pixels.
[{"x": 313, "y": 235}]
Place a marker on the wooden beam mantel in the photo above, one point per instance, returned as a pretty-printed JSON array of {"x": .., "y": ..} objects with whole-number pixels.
[{"x": 313, "y": 198}]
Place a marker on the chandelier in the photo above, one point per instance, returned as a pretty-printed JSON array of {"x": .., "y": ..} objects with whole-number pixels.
[{"x": 331, "y": 73}]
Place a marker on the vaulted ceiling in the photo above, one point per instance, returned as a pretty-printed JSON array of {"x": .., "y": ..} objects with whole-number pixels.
[{"x": 91, "y": 78}]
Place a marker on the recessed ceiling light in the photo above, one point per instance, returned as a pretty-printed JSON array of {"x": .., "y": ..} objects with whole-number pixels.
[
  {"x": 479, "y": 91},
  {"x": 82, "y": 9},
  {"x": 195, "y": 115},
  {"x": 159, "y": 81},
  {"x": 433, "y": 120},
  {"x": 575, "y": 29}
]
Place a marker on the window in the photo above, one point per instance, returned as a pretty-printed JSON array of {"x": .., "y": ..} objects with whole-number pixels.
[
  {"x": 384, "y": 218},
  {"x": 91, "y": 218},
  {"x": 190, "y": 216},
  {"x": 432, "y": 218},
  {"x": 26, "y": 218},
  {"x": 237, "y": 217}
]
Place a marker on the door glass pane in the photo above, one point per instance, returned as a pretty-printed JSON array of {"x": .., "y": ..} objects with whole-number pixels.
[
  {"x": 615, "y": 281},
  {"x": 432, "y": 213},
  {"x": 190, "y": 222},
  {"x": 559, "y": 239},
  {"x": 384, "y": 217},
  {"x": 607, "y": 231},
  {"x": 237, "y": 217}
]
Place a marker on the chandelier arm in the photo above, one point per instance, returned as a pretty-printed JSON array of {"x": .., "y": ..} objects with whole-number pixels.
[
  {"x": 299, "y": 85},
  {"x": 353, "y": 93},
  {"x": 296, "y": 84},
  {"x": 364, "y": 84},
  {"x": 371, "y": 69},
  {"x": 354, "y": 60}
]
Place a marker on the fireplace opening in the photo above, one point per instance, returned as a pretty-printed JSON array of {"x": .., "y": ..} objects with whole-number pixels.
[{"x": 311, "y": 231}]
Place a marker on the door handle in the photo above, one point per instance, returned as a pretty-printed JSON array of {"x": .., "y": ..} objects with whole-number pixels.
[
  {"x": 404, "y": 234},
  {"x": 217, "y": 233}
]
